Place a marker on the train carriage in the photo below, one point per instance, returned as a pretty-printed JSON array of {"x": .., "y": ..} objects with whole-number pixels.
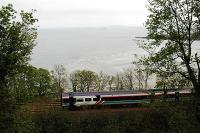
[{"x": 77, "y": 99}]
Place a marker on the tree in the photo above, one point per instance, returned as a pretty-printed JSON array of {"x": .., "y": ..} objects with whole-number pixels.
[
  {"x": 147, "y": 75},
  {"x": 173, "y": 82},
  {"x": 74, "y": 81},
  {"x": 102, "y": 81},
  {"x": 17, "y": 39},
  {"x": 43, "y": 81},
  {"x": 89, "y": 77},
  {"x": 111, "y": 83},
  {"x": 83, "y": 80},
  {"x": 77, "y": 79},
  {"x": 140, "y": 77},
  {"x": 59, "y": 75},
  {"x": 22, "y": 84},
  {"x": 173, "y": 27},
  {"x": 119, "y": 81},
  {"x": 30, "y": 82},
  {"x": 129, "y": 78},
  {"x": 143, "y": 72}
]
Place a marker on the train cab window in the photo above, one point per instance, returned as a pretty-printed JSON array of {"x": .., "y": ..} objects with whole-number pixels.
[
  {"x": 65, "y": 100},
  {"x": 94, "y": 99},
  {"x": 88, "y": 99},
  {"x": 79, "y": 100},
  {"x": 71, "y": 99}
]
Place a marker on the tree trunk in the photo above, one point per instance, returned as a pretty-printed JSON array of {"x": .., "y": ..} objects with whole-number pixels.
[
  {"x": 8, "y": 108},
  {"x": 197, "y": 101}
]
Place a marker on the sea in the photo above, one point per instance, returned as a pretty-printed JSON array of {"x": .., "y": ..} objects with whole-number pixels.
[{"x": 101, "y": 49}]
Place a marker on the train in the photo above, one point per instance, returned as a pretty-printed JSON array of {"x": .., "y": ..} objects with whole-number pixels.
[{"x": 79, "y": 99}]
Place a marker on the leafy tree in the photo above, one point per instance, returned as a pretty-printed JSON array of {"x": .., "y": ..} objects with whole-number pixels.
[
  {"x": 84, "y": 80},
  {"x": 111, "y": 83},
  {"x": 119, "y": 82},
  {"x": 59, "y": 75},
  {"x": 173, "y": 82},
  {"x": 17, "y": 39},
  {"x": 43, "y": 82},
  {"x": 147, "y": 76},
  {"x": 29, "y": 83},
  {"x": 173, "y": 27},
  {"x": 74, "y": 80},
  {"x": 102, "y": 81},
  {"x": 143, "y": 72},
  {"x": 22, "y": 84},
  {"x": 140, "y": 77},
  {"x": 89, "y": 77},
  {"x": 129, "y": 78}
]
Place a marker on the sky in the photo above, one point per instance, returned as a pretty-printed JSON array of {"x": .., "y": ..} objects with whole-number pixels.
[{"x": 84, "y": 13}]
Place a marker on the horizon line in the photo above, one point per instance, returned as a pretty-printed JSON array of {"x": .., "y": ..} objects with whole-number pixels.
[{"x": 109, "y": 26}]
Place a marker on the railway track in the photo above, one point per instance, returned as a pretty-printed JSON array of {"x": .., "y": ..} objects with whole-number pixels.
[
  {"x": 41, "y": 105},
  {"x": 55, "y": 106}
]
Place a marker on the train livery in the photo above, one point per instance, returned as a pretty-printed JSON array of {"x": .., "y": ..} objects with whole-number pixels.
[{"x": 77, "y": 99}]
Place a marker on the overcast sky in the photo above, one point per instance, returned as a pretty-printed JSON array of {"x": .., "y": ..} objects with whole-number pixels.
[{"x": 84, "y": 13}]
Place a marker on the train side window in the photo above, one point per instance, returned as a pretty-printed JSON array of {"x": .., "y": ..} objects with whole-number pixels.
[
  {"x": 74, "y": 99},
  {"x": 79, "y": 100},
  {"x": 94, "y": 99},
  {"x": 88, "y": 99},
  {"x": 65, "y": 100}
]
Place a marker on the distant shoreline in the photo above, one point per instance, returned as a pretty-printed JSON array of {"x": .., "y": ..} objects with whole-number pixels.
[
  {"x": 142, "y": 37},
  {"x": 145, "y": 37}
]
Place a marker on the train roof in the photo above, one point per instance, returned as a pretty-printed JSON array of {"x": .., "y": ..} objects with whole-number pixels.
[
  {"x": 114, "y": 92},
  {"x": 102, "y": 93}
]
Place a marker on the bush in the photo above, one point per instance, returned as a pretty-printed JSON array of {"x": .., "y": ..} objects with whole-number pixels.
[
  {"x": 161, "y": 117},
  {"x": 24, "y": 122}
]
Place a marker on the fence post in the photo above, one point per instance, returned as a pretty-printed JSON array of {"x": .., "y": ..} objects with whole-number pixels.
[
  {"x": 177, "y": 96},
  {"x": 152, "y": 96}
]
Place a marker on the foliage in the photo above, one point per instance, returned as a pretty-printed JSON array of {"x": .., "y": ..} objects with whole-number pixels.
[
  {"x": 59, "y": 75},
  {"x": 129, "y": 78},
  {"x": 176, "y": 81},
  {"x": 173, "y": 26},
  {"x": 118, "y": 82},
  {"x": 7, "y": 105},
  {"x": 24, "y": 122},
  {"x": 110, "y": 83},
  {"x": 29, "y": 83},
  {"x": 102, "y": 81},
  {"x": 74, "y": 81},
  {"x": 83, "y": 80},
  {"x": 180, "y": 117},
  {"x": 17, "y": 39},
  {"x": 43, "y": 82},
  {"x": 160, "y": 117},
  {"x": 126, "y": 80},
  {"x": 22, "y": 85}
]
